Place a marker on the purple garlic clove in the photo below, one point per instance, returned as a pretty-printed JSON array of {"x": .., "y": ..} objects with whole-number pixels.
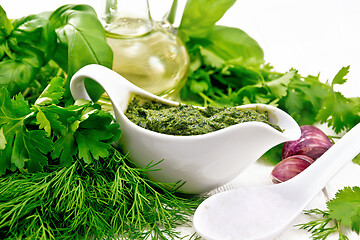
[
  {"x": 312, "y": 143},
  {"x": 290, "y": 167}
]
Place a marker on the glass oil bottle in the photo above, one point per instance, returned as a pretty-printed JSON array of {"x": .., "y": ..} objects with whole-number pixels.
[{"x": 145, "y": 52}]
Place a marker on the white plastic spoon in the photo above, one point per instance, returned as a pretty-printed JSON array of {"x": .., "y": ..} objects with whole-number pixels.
[{"x": 263, "y": 212}]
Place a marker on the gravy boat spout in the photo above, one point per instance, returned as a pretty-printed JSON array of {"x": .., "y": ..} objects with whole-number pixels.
[{"x": 201, "y": 162}]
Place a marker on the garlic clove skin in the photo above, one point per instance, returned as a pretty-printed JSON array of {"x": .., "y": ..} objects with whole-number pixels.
[
  {"x": 290, "y": 167},
  {"x": 312, "y": 143}
]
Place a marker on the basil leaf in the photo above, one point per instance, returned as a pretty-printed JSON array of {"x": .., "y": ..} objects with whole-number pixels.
[
  {"x": 81, "y": 42},
  {"x": 26, "y": 46},
  {"x": 232, "y": 45},
  {"x": 16, "y": 75},
  {"x": 200, "y": 16},
  {"x": 5, "y": 30},
  {"x": 35, "y": 34}
]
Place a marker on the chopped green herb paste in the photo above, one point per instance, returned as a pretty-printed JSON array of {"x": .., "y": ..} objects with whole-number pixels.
[{"x": 185, "y": 120}]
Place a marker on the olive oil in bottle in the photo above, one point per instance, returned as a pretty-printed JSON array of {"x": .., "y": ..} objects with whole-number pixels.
[{"x": 145, "y": 52}]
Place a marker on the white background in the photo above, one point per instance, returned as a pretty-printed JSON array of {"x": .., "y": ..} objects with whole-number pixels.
[{"x": 312, "y": 36}]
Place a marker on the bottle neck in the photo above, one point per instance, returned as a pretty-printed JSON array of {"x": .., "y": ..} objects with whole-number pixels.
[{"x": 128, "y": 17}]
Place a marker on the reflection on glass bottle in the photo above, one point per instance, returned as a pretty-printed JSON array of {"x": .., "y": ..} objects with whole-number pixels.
[{"x": 145, "y": 52}]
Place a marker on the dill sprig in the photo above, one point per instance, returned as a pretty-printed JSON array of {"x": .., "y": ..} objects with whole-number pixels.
[
  {"x": 322, "y": 227},
  {"x": 108, "y": 199}
]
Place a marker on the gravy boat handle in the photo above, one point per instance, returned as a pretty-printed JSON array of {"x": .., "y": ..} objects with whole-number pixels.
[{"x": 118, "y": 88}]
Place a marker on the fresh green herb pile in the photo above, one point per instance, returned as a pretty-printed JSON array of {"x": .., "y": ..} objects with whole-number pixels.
[
  {"x": 186, "y": 120},
  {"x": 60, "y": 176},
  {"x": 69, "y": 182},
  {"x": 228, "y": 69}
]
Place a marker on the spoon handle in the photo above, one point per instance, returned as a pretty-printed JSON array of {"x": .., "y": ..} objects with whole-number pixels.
[{"x": 315, "y": 177}]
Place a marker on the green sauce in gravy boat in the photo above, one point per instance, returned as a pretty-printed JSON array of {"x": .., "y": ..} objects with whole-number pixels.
[{"x": 201, "y": 162}]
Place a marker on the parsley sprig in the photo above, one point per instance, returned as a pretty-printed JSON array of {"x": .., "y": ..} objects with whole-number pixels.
[
  {"x": 343, "y": 210},
  {"x": 337, "y": 111},
  {"x": 31, "y": 133}
]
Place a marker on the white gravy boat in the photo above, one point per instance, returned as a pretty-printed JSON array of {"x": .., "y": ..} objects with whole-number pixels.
[{"x": 201, "y": 162}]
